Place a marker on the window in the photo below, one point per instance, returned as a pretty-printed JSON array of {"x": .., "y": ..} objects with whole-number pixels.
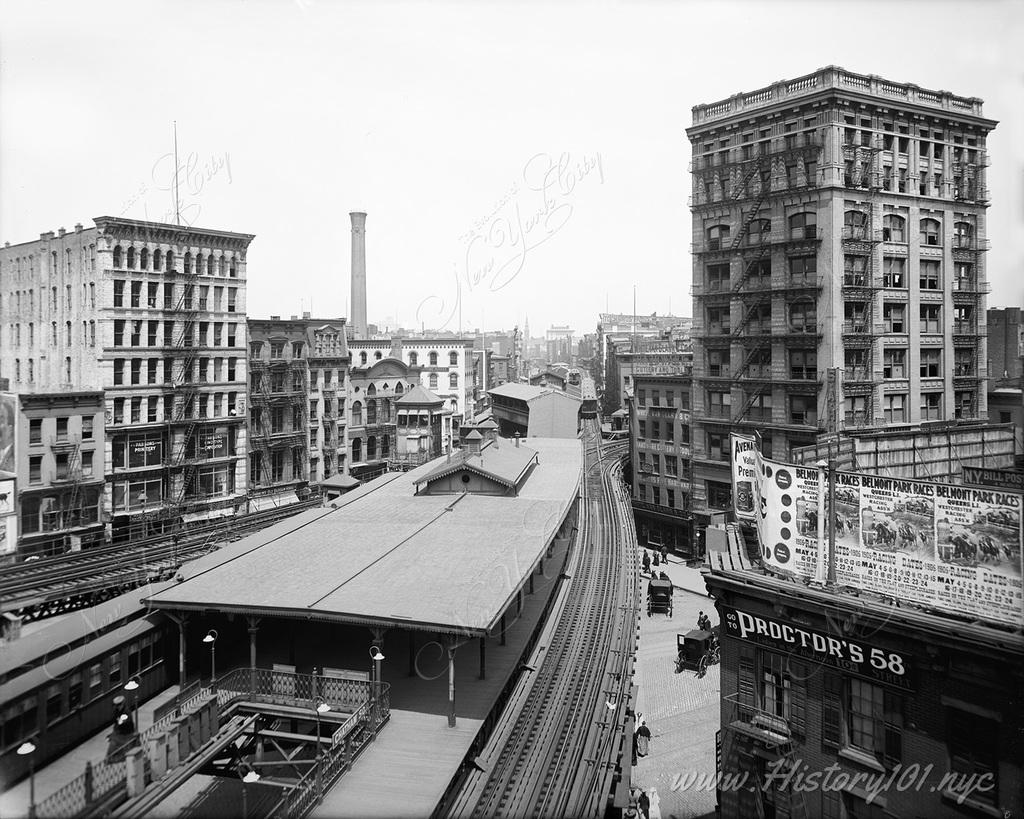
[
  {"x": 719, "y": 494},
  {"x": 931, "y": 363},
  {"x": 963, "y": 404},
  {"x": 963, "y": 361},
  {"x": 894, "y": 317},
  {"x": 854, "y": 270},
  {"x": 35, "y": 469},
  {"x": 453, "y": 359},
  {"x": 232, "y": 299},
  {"x": 433, "y": 381},
  {"x": 453, "y": 381},
  {"x": 894, "y": 408},
  {"x": 803, "y": 365},
  {"x": 894, "y": 364},
  {"x": 931, "y": 406},
  {"x": 118, "y": 293},
  {"x": 963, "y": 234},
  {"x": 357, "y": 414},
  {"x": 803, "y": 409},
  {"x": 875, "y": 721},
  {"x": 895, "y": 273},
  {"x": 118, "y": 371},
  {"x": 413, "y": 359},
  {"x": 855, "y": 225},
  {"x": 35, "y": 431},
  {"x": 117, "y": 256},
  {"x": 719, "y": 404},
  {"x": 717, "y": 278},
  {"x": 718, "y": 236},
  {"x": 893, "y": 228},
  {"x": 803, "y": 269},
  {"x": 963, "y": 319},
  {"x": 759, "y": 231},
  {"x": 930, "y": 275},
  {"x": 973, "y": 751},
  {"x": 803, "y": 317},
  {"x": 136, "y": 370},
  {"x": 718, "y": 446},
  {"x": 55, "y": 698},
  {"x": 432, "y": 359},
  {"x": 641, "y": 429},
  {"x": 136, "y": 294},
  {"x": 718, "y": 321},
  {"x": 930, "y": 318},
  {"x": 95, "y": 680},
  {"x": 803, "y": 226},
  {"x": 931, "y": 232}
]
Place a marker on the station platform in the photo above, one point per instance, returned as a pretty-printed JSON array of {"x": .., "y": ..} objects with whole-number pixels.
[
  {"x": 406, "y": 770},
  {"x": 682, "y": 711}
]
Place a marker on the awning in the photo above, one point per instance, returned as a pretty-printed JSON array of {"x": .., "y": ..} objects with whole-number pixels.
[
  {"x": 208, "y": 514},
  {"x": 264, "y": 502}
]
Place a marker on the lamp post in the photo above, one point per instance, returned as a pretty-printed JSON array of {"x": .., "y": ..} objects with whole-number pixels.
[
  {"x": 378, "y": 657},
  {"x": 211, "y": 638},
  {"x": 133, "y": 685},
  {"x": 321, "y": 708},
  {"x": 27, "y": 749},
  {"x": 248, "y": 778}
]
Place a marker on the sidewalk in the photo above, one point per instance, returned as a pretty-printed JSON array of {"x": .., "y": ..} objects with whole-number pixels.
[
  {"x": 15, "y": 801},
  {"x": 683, "y": 712}
]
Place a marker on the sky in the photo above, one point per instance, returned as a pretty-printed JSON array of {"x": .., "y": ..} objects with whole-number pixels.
[{"x": 516, "y": 161}]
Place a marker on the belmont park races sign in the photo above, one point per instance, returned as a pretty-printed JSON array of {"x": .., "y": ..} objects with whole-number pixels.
[
  {"x": 951, "y": 548},
  {"x": 834, "y": 651}
]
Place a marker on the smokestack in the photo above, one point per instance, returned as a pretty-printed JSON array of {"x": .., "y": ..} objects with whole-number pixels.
[{"x": 358, "y": 317}]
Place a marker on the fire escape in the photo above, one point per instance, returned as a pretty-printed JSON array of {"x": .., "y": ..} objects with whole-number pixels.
[
  {"x": 283, "y": 391},
  {"x": 182, "y": 423},
  {"x": 861, "y": 285},
  {"x": 969, "y": 287}
]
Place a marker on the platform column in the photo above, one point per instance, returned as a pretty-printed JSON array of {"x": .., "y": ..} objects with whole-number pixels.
[
  {"x": 451, "y": 681},
  {"x": 254, "y": 623},
  {"x": 412, "y": 653},
  {"x": 483, "y": 658},
  {"x": 531, "y": 583}
]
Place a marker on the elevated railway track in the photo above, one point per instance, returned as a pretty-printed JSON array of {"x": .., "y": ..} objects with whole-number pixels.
[
  {"x": 556, "y": 749},
  {"x": 42, "y": 588}
]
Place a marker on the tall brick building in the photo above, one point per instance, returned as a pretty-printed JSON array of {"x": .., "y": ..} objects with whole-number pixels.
[
  {"x": 838, "y": 263},
  {"x": 154, "y": 316}
]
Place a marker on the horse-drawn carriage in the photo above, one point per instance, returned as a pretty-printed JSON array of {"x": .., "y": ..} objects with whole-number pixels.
[
  {"x": 659, "y": 597},
  {"x": 697, "y": 650}
]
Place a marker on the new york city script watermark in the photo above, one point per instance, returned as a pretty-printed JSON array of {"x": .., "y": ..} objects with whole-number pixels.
[
  {"x": 192, "y": 174},
  {"x": 530, "y": 213}
]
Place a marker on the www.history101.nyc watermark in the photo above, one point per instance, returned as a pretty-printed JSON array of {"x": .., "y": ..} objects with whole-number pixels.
[{"x": 798, "y": 777}]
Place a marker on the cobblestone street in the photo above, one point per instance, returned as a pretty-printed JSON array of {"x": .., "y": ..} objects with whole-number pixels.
[{"x": 681, "y": 710}]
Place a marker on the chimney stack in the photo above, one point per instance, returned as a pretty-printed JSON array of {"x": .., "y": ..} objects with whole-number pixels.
[{"x": 358, "y": 301}]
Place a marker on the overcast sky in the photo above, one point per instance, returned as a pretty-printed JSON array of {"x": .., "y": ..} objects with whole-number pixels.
[{"x": 440, "y": 121}]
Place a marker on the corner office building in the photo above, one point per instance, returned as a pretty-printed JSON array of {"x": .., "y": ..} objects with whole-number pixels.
[
  {"x": 839, "y": 273},
  {"x": 154, "y": 316},
  {"x": 922, "y": 709}
]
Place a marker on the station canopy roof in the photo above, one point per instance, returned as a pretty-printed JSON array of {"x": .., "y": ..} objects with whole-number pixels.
[{"x": 388, "y": 557}]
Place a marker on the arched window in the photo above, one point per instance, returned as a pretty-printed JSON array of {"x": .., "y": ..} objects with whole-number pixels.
[
  {"x": 385, "y": 410},
  {"x": 803, "y": 225},
  {"x": 209, "y": 265},
  {"x": 117, "y": 256},
  {"x": 199, "y": 264},
  {"x": 188, "y": 264},
  {"x": 717, "y": 236},
  {"x": 413, "y": 359},
  {"x": 803, "y": 317},
  {"x": 759, "y": 231},
  {"x": 158, "y": 258},
  {"x": 144, "y": 259},
  {"x": 371, "y": 390},
  {"x": 931, "y": 232},
  {"x": 384, "y": 446},
  {"x": 357, "y": 414},
  {"x": 432, "y": 357},
  {"x": 385, "y": 388},
  {"x": 371, "y": 448},
  {"x": 453, "y": 358},
  {"x": 433, "y": 381},
  {"x": 53, "y": 262},
  {"x": 131, "y": 258},
  {"x": 233, "y": 270},
  {"x": 362, "y": 358},
  {"x": 220, "y": 266},
  {"x": 893, "y": 228},
  {"x": 855, "y": 224},
  {"x": 357, "y": 450},
  {"x": 453, "y": 381},
  {"x": 963, "y": 234},
  {"x": 376, "y": 355},
  {"x": 371, "y": 412},
  {"x": 169, "y": 264},
  {"x": 399, "y": 389}
]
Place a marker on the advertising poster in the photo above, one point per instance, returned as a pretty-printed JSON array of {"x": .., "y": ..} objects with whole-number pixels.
[
  {"x": 944, "y": 547},
  {"x": 744, "y": 474},
  {"x": 787, "y": 517},
  {"x": 8, "y": 534},
  {"x": 6, "y": 497},
  {"x": 8, "y": 425}
]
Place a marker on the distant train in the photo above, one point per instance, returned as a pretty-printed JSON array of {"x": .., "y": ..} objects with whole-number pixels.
[
  {"x": 58, "y": 684},
  {"x": 588, "y": 393},
  {"x": 574, "y": 377}
]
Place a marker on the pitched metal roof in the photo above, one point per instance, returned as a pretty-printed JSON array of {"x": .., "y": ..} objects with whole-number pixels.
[
  {"x": 420, "y": 395},
  {"x": 506, "y": 464}
]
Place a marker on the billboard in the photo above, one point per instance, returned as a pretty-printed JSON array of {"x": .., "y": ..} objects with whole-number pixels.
[
  {"x": 744, "y": 473},
  {"x": 8, "y": 534},
  {"x": 6, "y": 497},
  {"x": 8, "y": 426},
  {"x": 945, "y": 547}
]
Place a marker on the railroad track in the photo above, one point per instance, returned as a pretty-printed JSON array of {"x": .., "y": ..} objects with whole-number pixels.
[
  {"x": 43, "y": 588},
  {"x": 555, "y": 749}
]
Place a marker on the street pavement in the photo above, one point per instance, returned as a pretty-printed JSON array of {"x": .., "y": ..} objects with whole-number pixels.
[{"x": 682, "y": 711}]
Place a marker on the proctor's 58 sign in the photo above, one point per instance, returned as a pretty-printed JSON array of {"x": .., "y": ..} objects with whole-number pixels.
[{"x": 836, "y": 651}]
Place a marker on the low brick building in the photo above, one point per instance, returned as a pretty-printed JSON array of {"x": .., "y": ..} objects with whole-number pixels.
[{"x": 843, "y": 705}]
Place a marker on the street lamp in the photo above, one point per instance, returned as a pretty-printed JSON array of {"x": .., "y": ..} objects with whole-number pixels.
[
  {"x": 248, "y": 778},
  {"x": 378, "y": 657},
  {"x": 211, "y": 638},
  {"x": 133, "y": 685},
  {"x": 27, "y": 749},
  {"x": 321, "y": 708}
]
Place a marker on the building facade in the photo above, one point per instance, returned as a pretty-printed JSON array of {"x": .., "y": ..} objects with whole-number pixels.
[
  {"x": 154, "y": 316},
  {"x": 662, "y": 461},
  {"x": 839, "y": 266},
  {"x": 838, "y": 706}
]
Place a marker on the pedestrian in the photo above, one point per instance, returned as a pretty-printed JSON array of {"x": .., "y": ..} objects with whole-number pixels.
[
  {"x": 656, "y": 561},
  {"x": 647, "y": 562},
  {"x": 643, "y": 804},
  {"x": 654, "y": 805},
  {"x": 664, "y": 555},
  {"x": 643, "y": 739}
]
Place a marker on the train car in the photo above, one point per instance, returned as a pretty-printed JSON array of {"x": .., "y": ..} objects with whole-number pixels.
[
  {"x": 589, "y": 408},
  {"x": 615, "y": 434},
  {"x": 574, "y": 377},
  {"x": 58, "y": 684}
]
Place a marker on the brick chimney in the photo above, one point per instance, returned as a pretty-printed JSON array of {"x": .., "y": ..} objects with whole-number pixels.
[{"x": 358, "y": 302}]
